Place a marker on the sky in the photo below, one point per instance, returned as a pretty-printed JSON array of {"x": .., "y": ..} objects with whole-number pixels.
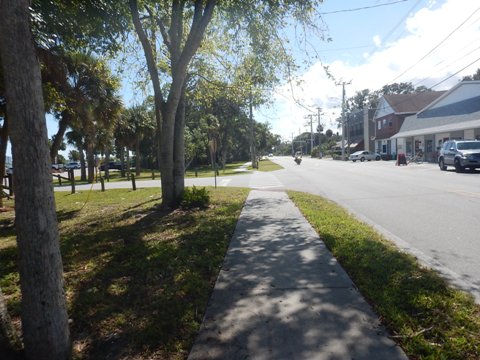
[
  {"x": 375, "y": 43},
  {"x": 433, "y": 43}
]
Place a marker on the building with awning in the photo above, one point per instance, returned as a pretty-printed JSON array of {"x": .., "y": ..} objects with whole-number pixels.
[
  {"x": 454, "y": 115},
  {"x": 390, "y": 114}
]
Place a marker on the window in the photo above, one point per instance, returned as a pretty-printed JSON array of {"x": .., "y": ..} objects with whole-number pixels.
[
  {"x": 384, "y": 122},
  {"x": 379, "y": 125}
]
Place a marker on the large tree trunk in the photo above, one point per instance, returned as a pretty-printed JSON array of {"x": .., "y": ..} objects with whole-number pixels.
[
  {"x": 179, "y": 148},
  {"x": 43, "y": 310},
  {"x": 3, "y": 153},
  {"x": 181, "y": 52},
  {"x": 166, "y": 169}
]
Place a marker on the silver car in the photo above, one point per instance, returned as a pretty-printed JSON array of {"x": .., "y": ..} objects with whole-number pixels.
[
  {"x": 363, "y": 155},
  {"x": 461, "y": 154}
]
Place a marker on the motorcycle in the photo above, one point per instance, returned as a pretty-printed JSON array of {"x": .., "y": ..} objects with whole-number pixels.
[{"x": 298, "y": 160}]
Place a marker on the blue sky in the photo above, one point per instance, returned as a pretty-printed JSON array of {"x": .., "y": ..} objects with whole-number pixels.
[
  {"x": 379, "y": 42},
  {"x": 374, "y": 43}
]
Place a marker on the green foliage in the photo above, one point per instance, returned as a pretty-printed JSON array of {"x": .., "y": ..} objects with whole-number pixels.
[
  {"x": 195, "y": 198},
  {"x": 77, "y": 24}
]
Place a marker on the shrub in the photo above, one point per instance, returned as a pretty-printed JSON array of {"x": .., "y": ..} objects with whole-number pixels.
[{"x": 194, "y": 197}]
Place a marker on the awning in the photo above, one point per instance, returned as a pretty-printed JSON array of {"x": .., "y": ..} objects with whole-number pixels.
[{"x": 472, "y": 124}]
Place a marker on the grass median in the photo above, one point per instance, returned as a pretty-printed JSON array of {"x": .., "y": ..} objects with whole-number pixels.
[
  {"x": 427, "y": 317},
  {"x": 137, "y": 279}
]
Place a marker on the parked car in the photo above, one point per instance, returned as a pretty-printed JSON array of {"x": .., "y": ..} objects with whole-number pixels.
[
  {"x": 461, "y": 154},
  {"x": 112, "y": 165},
  {"x": 363, "y": 155},
  {"x": 72, "y": 166},
  {"x": 57, "y": 167}
]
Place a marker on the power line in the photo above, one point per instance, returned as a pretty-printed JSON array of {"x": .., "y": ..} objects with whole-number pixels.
[
  {"x": 401, "y": 20},
  {"x": 361, "y": 8},
  {"x": 446, "y": 66},
  {"x": 473, "y": 62},
  {"x": 436, "y": 47}
]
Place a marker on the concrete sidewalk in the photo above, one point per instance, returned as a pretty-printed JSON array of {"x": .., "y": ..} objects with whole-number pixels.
[{"x": 281, "y": 295}]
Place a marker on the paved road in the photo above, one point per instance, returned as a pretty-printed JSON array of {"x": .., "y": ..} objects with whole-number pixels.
[{"x": 430, "y": 213}]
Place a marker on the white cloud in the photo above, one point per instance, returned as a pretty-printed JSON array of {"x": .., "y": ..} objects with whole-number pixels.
[{"x": 435, "y": 45}]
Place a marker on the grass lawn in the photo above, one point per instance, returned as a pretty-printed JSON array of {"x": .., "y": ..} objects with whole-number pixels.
[
  {"x": 427, "y": 318},
  {"x": 200, "y": 171},
  {"x": 267, "y": 165},
  {"x": 137, "y": 280}
]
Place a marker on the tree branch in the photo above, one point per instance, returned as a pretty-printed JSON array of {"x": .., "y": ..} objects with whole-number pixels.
[
  {"x": 161, "y": 26},
  {"x": 151, "y": 63}
]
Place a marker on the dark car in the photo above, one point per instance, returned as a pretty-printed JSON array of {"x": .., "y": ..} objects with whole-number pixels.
[
  {"x": 461, "y": 154},
  {"x": 112, "y": 165}
]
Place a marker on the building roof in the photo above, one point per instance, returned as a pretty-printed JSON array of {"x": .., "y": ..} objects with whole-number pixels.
[
  {"x": 412, "y": 103},
  {"x": 414, "y": 126},
  {"x": 457, "y": 109}
]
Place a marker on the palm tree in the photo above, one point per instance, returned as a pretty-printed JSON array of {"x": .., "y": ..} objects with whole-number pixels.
[
  {"x": 137, "y": 121},
  {"x": 75, "y": 138}
]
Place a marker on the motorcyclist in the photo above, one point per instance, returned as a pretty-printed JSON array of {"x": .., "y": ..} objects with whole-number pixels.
[{"x": 298, "y": 157}]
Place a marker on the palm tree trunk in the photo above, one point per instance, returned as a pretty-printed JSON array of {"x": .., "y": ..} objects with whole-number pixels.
[
  {"x": 90, "y": 161},
  {"x": 58, "y": 138},
  {"x": 83, "y": 172},
  {"x": 43, "y": 309},
  {"x": 137, "y": 156},
  {"x": 107, "y": 161}
]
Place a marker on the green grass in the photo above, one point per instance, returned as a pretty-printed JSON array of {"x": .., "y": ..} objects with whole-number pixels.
[
  {"x": 199, "y": 171},
  {"x": 267, "y": 165},
  {"x": 137, "y": 279},
  {"x": 429, "y": 319},
  {"x": 207, "y": 171}
]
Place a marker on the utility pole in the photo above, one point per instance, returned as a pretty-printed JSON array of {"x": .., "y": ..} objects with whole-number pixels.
[
  {"x": 293, "y": 150},
  {"x": 310, "y": 116},
  {"x": 343, "y": 83},
  {"x": 319, "y": 110}
]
